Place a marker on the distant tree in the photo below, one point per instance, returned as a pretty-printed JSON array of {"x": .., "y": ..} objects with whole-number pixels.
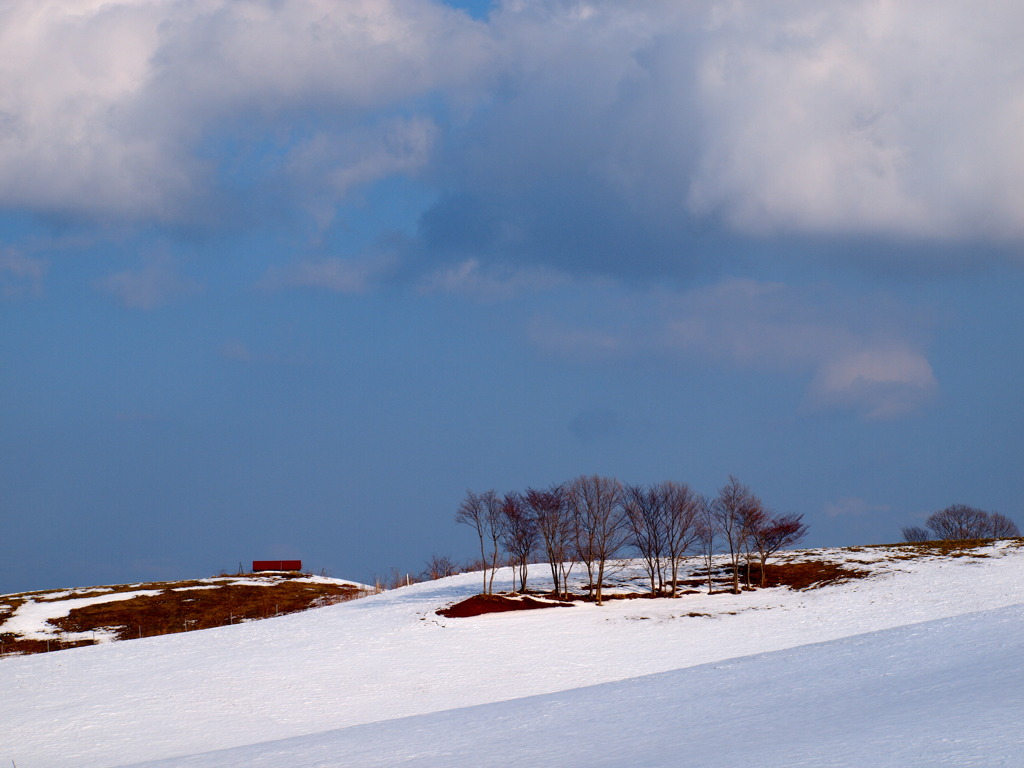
[
  {"x": 492, "y": 509},
  {"x": 707, "y": 537},
  {"x": 1002, "y": 527},
  {"x": 681, "y": 510},
  {"x": 397, "y": 578},
  {"x": 774, "y": 533},
  {"x": 644, "y": 512},
  {"x": 481, "y": 512},
  {"x": 734, "y": 506},
  {"x": 471, "y": 513},
  {"x": 754, "y": 519},
  {"x": 439, "y": 567},
  {"x": 554, "y": 526},
  {"x": 518, "y": 534},
  {"x": 598, "y": 529},
  {"x": 959, "y": 522},
  {"x": 915, "y": 534}
]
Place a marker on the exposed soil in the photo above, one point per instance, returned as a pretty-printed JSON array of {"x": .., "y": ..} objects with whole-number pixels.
[
  {"x": 180, "y": 609},
  {"x": 805, "y": 574},
  {"x": 809, "y": 574},
  {"x": 478, "y": 605}
]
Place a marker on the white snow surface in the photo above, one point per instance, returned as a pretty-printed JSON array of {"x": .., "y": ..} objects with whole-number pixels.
[
  {"x": 919, "y": 665},
  {"x": 30, "y": 619}
]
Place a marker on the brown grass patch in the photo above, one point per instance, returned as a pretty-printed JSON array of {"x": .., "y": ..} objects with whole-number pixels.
[
  {"x": 183, "y": 606},
  {"x": 181, "y": 610},
  {"x": 808, "y": 574}
]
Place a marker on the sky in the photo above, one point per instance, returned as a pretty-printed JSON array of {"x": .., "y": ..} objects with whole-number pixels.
[{"x": 285, "y": 278}]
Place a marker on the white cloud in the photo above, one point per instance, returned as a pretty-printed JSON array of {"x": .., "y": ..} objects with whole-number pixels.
[
  {"x": 862, "y": 117},
  {"x": 864, "y": 357},
  {"x": 350, "y": 276},
  {"x": 879, "y": 371},
  {"x": 470, "y": 278},
  {"x": 883, "y": 380},
  {"x": 152, "y": 286},
  {"x": 239, "y": 352},
  {"x": 20, "y": 275},
  {"x": 584, "y": 344},
  {"x": 866, "y": 116},
  {"x": 326, "y": 167},
  {"x": 105, "y": 104},
  {"x": 812, "y": 116},
  {"x": 853, "y": 506}
]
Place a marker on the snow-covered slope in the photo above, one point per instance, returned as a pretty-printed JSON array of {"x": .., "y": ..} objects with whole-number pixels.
[
  {"x": 917, "y": 665},
  {"x": 932, "y": 694}
]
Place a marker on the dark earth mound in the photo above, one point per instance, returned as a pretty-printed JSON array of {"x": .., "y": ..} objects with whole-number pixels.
[{"x": 481, "y": 604}]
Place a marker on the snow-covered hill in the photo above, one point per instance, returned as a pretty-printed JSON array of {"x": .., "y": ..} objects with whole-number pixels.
[{"x": 920, "y": 664}]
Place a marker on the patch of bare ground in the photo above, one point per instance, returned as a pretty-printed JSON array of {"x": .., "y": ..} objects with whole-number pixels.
[
  {"x": 806, "y": 574},
  {"x": 183, "y": 607},
  {"x": 478, "y": 605},
  {"x": 15, "y": 645},
  {"x": 802, "y": 574}
]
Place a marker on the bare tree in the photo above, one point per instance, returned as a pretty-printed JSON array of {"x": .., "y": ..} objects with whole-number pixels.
[
  {"x": 707, "y": 536},
  {"x": 681, "y": 508},
  {"x": 518, "y": 534},
  {"x": 481, "y": 512},
  {"x": 777, "y": 532},
  {"x": 1002, "y": 527},
  {"x": 594, "y": 502},
  {"x": 753, "y": 519},
  {"x": 645, "y": 517},
  {"x": 439, "y": 567},
  {"x": 959, "y": 522},
  {"x": 492, "y": 510},
  {"x": 397, "y": 578},
  {"x": 471, "y": 513},
  {"x": 915, "y": 534},
  {"x": 555, "y": 528},
  {"x": 734, "y": 506}
]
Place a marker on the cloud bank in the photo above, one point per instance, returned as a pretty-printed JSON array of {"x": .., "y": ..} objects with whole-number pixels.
[
  {"x": 610, "y": 131},
  {"x": 109, "y": 108},
  {"x": 551, "y": 144}
]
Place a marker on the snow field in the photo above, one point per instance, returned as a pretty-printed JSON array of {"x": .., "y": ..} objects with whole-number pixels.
[
  {"x": 940, "y": 693},
  {"x": 351, "y": 674}
]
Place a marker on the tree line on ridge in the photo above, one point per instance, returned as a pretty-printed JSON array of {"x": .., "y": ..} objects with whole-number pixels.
[{"x": 591, "y": 520}]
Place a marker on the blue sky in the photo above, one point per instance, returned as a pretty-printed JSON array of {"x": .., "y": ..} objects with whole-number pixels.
[{"x": 284, "y": 279}]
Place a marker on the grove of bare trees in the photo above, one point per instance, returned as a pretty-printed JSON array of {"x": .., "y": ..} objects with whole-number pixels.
[
  {"x": 960, "y": 522},
  {"x": 592, "y": 520}
]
